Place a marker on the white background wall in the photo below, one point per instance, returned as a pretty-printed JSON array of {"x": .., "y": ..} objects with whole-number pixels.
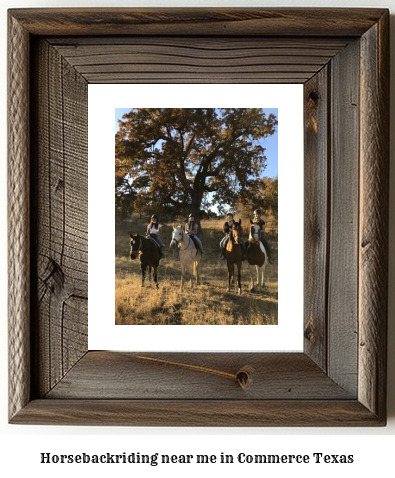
[{"x": 22, "y": 445}]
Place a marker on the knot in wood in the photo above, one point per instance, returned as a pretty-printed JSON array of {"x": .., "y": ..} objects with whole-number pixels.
[
  {"x": 313, "y": 96},
  {"x": 244, "y": 376},
  {"x": 308, "y": 332}
]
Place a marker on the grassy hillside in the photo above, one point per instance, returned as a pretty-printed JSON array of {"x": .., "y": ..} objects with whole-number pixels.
[{"x": 206, "y": 304}]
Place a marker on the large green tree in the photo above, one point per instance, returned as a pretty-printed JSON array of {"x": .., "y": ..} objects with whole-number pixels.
[{"x": 182, "y": 159}]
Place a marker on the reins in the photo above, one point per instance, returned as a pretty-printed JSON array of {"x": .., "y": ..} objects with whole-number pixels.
[
  {"x": 179, "y": 242},
  {"x": 251, "y": 237},
  {"x": 140, "y": 248}
]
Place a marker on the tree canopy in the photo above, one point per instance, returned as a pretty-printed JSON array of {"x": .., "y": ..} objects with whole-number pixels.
[
  {"x": 182, "y": 160},
  {"x": 263, "y": 195}
]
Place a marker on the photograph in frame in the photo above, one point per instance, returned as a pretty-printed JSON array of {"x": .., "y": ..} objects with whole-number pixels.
[
  {"x": 185, "y": 176},
  {"x": 282, "y": 157}
]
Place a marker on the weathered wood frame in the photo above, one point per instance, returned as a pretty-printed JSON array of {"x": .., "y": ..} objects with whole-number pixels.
[{"x": 342, "y": 57}]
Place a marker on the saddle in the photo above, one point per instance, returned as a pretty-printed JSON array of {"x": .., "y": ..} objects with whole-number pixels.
[{"x": 154, "y": 241}]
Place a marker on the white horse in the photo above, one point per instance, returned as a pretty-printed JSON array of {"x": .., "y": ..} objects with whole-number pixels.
[
  {"x": 189, "y": 256},
  {"x": 256, "y": 257}
]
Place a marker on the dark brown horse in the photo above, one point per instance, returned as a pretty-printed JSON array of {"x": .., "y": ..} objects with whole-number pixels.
[
  {"x": 148, "y": 253},
  {"x": 234, "y": 254}
]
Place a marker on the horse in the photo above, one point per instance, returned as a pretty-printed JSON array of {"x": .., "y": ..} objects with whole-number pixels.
[
  {"x": 234, "y": 254},
  {"x": 256, "y": 257},
  {"x": 190, "y": 255},
  {"x": 147, "y": 251}
]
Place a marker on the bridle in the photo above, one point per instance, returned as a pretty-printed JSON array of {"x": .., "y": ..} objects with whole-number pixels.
[
  {"x": 238, "y": 233},
  {"x": 252, "y": 235},
  {"x": 178, "y": 242},
  {"x": 140, "y": 248}
]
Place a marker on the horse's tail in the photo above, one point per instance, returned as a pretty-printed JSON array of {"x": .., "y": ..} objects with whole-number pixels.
[{"x": 196, "y": 263}]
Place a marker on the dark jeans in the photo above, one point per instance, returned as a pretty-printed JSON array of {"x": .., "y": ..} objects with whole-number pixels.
[{"x": 157, "y": 239}]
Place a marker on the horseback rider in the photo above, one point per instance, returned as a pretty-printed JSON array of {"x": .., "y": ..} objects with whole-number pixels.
[
  {"x": 226, "y": 228},
  {"x": 261, "y": 223},
  {"x": 153, "y": 230},
  {"x": 191, "y": 228}
]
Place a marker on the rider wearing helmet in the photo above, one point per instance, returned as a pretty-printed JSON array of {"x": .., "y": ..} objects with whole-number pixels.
[
  {"x": 261, "y": 223},
  {"x": 153, "y": 230},
  {"x": 226, "y": 228},
  {"x": 191, "y": 228}
]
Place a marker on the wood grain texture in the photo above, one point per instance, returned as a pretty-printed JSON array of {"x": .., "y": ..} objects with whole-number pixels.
[
  {"x": 18, "y": 218},
  {"x": 199, "y": 21},
  {"x": 344, "y": 216},
  {"x": 191, "y": 59},
  {"x": 314, "y": 388},
  {"x": 61, "y": 205},
  {"x": 196, "y": 375},
  {"x": 202, "y": 413},
  {"x": 373, "y": 245},
  {"x": 316, "y": 214}
]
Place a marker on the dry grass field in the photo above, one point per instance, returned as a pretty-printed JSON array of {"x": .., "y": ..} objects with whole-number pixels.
[{"x": 206, "y": 304}]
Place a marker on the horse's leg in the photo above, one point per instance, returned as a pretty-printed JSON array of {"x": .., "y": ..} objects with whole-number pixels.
[
  {"x": 194, "y": 271},
  {"x": 263, "y": 274},
  {"x": 155, "y": 274},
  {"x": 196, "y": 266},
  {"x": 259, "y": 277},
  {"x": 182, "y": 275},
  {"x": 149, "y": 272},
  {"x": 143, "y": 268},
  {"x": 231, "y": 272},
  {"x": 239, "y": 277},
  {"x": 252, "y": 270},
  {"x": 191, "y": 273}
]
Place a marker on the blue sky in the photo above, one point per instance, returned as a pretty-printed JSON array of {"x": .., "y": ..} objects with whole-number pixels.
[{"x": 270, "y": 143}]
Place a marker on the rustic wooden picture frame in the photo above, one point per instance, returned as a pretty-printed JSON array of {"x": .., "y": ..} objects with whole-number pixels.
[{"x": 342, "y": 58}]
